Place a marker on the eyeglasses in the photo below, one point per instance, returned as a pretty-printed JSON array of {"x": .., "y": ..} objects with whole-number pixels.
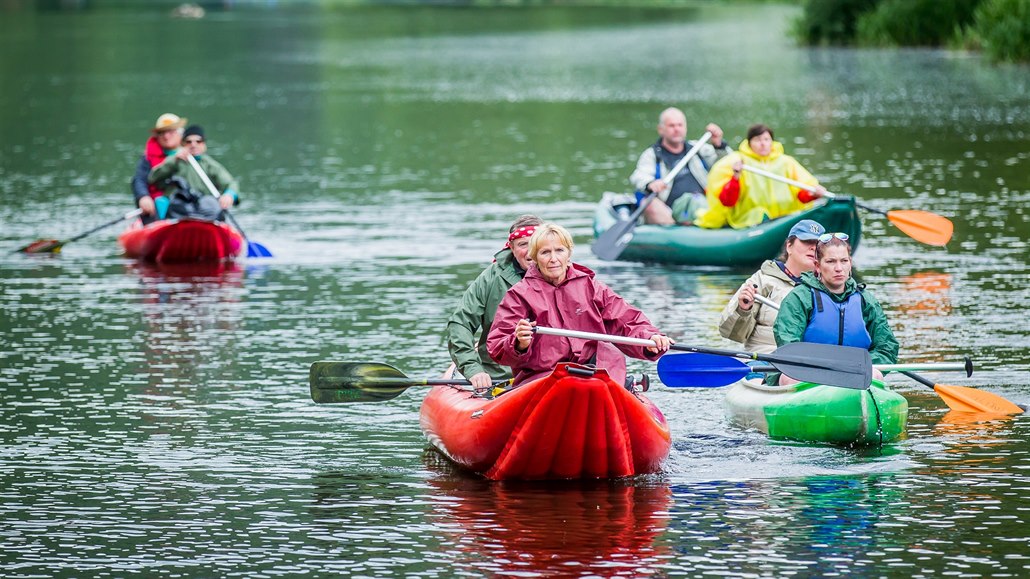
[
  {"x": 193, "y": 141},
  {"x": 826, "y": 237}
]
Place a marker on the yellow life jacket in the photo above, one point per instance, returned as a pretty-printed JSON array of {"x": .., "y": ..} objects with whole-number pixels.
[{"x": 761, "y": 198}]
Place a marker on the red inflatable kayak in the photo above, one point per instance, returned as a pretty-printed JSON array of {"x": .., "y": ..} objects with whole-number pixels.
[
  {"x": 182, "y": 241},
  {"x": 574, "y": 423}
]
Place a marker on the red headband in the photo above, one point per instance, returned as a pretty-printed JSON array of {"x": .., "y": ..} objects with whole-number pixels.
[{"x": 519, "y": 233}]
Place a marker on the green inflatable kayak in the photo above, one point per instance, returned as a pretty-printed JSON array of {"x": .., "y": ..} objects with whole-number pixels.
[
  {"x": 689, "y": 245},
  {"x": 815, "y": 413}
]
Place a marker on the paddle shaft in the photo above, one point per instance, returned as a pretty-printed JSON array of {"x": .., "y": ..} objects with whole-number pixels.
[
  {"x": 804, "y": 186},
  {"x": 129, "y": 215},
  {"x": 644, "y": 343},
  {"x": 671, "y": 175},
  {"x": 795, "y": 182},
  {"x": 841, "y": 366},
  {"x": 668, "y": 178},
  {"x": 906, "y": 369},
  {"x": 609, "y": 245},
  {"x": 332, "y": 382},
  {"x": 55, "y": 245},
  {"x": 214, "y": 191}
]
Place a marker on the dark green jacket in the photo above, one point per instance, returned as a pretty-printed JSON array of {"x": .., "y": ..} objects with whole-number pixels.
[
  {"x": 220, "y": 177},
  {"x": 796, "y": 312},
  {"x": 476, "y": 313}
]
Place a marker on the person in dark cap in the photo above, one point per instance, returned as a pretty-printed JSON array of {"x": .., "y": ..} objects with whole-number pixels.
[
  {"x": 751, "y": 323},
  {"x": 175, "y": 175}
]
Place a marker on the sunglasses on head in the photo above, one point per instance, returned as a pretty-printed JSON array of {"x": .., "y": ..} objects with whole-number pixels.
[
  {"x": 826, "y": 237},
  {"x": 193, "y": 141}
]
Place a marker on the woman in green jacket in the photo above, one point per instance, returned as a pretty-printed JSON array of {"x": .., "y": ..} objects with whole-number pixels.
[{"x": 834, "y": 308}]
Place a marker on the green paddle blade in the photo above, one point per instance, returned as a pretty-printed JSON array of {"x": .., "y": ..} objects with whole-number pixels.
[{"x": 342, "y": 382}]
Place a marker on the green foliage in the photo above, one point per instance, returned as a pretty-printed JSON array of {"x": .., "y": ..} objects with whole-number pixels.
[
  {"x": 830, "y": 21},
  {"x": 914, "y": 22},
  {"x": 1002, "y": 29}
]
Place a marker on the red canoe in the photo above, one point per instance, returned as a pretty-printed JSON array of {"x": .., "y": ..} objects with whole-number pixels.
[
  {"x": 182, "y": 241},
  {"x": 575, "y": 423}
]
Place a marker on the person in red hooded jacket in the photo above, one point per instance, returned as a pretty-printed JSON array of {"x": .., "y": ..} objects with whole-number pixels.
[
  {"x": 165, "y": 140},
  {"x": 560, "y": 294}
]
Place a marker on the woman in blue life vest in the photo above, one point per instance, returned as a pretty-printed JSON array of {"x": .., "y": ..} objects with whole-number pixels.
[{"x": 834, "y": 309}]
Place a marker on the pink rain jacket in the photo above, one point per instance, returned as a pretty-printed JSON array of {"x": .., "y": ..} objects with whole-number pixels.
[{"x": 579, "y": 303}]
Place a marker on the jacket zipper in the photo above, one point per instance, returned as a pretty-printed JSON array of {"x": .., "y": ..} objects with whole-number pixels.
[{"x": 840, "y": 331}]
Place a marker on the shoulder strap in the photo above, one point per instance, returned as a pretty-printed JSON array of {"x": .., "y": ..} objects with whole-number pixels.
[
  {"x": 818, "y": 299},
  {"x": 658, "y": 159}
]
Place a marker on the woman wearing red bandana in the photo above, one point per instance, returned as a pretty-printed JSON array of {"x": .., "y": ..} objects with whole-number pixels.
[
  {"x": 560, "y": 294},
  {"x": 479, "y": 305}
]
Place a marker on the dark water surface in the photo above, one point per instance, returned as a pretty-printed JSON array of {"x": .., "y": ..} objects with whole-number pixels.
[{"x": 156, "y": 422}]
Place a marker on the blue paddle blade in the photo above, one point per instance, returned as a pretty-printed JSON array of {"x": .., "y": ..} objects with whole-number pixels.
[
  {"x": 255, "y": 249},
  {"x": 700, "y": 370}
]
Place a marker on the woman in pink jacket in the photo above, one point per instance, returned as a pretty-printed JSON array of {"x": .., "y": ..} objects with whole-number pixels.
[{"x": 560, "y": 294}]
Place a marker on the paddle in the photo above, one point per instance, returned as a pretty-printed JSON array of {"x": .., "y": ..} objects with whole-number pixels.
[
  {"x": 254, "y": 249},
  {"x": 966, "y": 399},
  {"x": 54, "y": 246},
  {"x": 960, "y": 398},
  {"x": 340, "y": 382},
  {"x": 841, "y": 366},
  {"x": 609, "y": 245},
  {"x": 704, "y": 371},
  {"x": 923, "y": 226}
]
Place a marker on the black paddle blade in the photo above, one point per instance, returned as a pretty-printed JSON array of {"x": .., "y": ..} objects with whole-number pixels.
[
  {"x": 842, "y": 366},
  {"x": 610, "y": 244},
  {"x": 41, "y": 246},
  {"x": 342, "y": 382}
]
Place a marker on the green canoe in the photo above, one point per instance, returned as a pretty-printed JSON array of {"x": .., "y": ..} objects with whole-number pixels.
[
  {"x": 688, "y": 245},
  {"x": 815, "y": 413}
]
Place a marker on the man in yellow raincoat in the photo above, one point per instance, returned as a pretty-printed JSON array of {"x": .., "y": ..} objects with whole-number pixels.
[{"x": 742, "y": 200}]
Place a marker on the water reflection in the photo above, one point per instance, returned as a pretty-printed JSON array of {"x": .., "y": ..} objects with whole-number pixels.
[
  {"x": 926, "y": 292},
  {"x": 582, "y": 528},
  {"x": 191, "y": 313},
  {"x": 818, "y": 526},
  {"x": 975, "y": 427}
]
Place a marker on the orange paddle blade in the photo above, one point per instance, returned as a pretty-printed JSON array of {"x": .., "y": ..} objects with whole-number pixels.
[
  {"x": 966, "y": 399},
  {"x": 42, "y": 246},
  {"x": 923, "y": 226}
]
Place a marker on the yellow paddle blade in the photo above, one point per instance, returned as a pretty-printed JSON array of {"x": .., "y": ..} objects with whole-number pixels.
[
  {"x": 966, "y": 399},
  {"x": 923, "y": 226}
]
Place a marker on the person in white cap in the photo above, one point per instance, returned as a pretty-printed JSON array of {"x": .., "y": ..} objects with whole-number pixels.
[{"x": 165, "y": 139}]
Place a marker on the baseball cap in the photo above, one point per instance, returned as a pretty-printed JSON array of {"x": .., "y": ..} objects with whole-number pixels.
[{"x": 807, "y": 230}]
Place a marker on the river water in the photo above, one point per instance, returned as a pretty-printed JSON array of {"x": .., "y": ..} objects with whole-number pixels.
[{"x": 156, "y": 422}]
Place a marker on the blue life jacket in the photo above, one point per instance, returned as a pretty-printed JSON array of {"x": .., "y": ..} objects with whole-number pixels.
[{"x": 838, "y": 323}]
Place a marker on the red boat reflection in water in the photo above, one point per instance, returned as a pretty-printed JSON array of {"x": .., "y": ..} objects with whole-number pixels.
[{"x": 573, "y": 528}]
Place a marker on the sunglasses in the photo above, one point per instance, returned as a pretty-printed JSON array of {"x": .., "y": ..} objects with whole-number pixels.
[
  {"x": 826, "y": 237},
  {"x": 193, "y": 141}
]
